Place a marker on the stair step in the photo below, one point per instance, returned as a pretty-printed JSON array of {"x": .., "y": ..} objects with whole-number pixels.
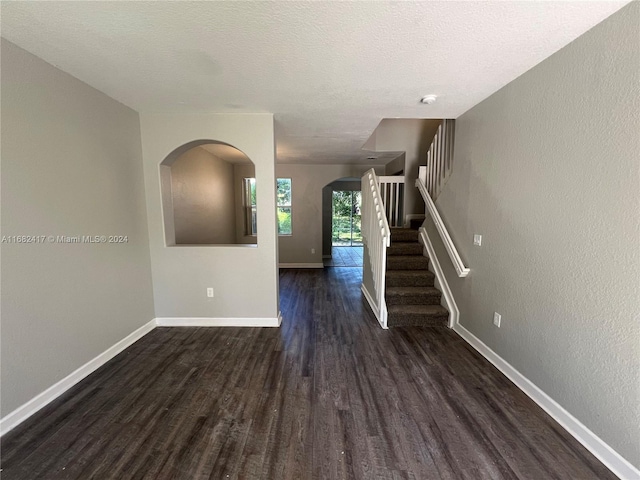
[
  {"x": 404, "y": 235},
  {"x": 413, "y": 296},
  {"x": 407, "y": 262},
  {"x": 409, "y": 278},
  {"x": 416, "y": 223},
  {"x": 405, "y": 248},
  {"x": 417, "y": 315}
]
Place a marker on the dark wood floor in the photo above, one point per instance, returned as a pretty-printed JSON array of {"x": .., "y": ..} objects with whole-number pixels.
[
  {"x": 345, "y": 257},
  {"x": 329, "y": 395}
]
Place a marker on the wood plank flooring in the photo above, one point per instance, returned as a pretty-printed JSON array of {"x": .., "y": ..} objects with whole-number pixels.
[
  {"x": 345, "y": 257},
  {"x": 329, "y": 395}
]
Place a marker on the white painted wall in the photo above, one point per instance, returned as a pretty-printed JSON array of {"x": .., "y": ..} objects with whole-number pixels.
[
  {"x": 244, "y": 277},
  {"x": 307, "y": 182},
  {"x": 71, "y": 165},
  {"x": 547, "y": 170}
]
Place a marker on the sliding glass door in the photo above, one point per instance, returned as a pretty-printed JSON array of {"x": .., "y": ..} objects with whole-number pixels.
[{"x": 346, "y": 223}]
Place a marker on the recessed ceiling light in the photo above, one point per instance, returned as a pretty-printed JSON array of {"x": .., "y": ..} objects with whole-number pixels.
[{"x": 428, "y": 99}]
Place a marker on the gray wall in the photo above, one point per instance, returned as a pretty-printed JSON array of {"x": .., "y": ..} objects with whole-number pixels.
[
  {"x": 244, "y": 277},
  {"x": 71, "y": 165},
  {"x": 547, "y": 170},
  {"x": 307, "y": 182},
  {"x": 202, "y": 187},
  {"x": 414, "y": 137},
  {"x": 396, "y": 166}
]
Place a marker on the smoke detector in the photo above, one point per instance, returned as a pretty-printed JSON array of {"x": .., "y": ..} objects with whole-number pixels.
[{"x": 428, "y": 99}]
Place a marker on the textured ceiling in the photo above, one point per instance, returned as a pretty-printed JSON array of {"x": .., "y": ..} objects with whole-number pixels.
[{"x": 329, "y": 71}]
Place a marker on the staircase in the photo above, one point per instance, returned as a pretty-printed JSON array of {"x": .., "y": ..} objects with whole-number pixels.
[{"x": 410, "y": 295}]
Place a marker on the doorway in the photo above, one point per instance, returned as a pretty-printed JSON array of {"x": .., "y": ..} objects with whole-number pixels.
[
  {"x": 346, "y": 228},
  {"x": 346, "y": 220}
]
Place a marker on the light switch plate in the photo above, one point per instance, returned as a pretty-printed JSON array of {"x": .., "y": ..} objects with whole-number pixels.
[
  {"x": 477, "y": 240},
  {"x": 497, "y": 319}
]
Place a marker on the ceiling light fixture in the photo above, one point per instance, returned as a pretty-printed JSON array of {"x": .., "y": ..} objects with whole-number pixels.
[{"x": 428, "y": 99}]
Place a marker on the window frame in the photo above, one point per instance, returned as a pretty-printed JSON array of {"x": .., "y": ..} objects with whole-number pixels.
[
  {"x": 250, "y": 208},
  {"x": 283, "y": 206}
]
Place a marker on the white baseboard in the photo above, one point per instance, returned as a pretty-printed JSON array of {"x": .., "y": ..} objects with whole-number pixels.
[
  {"x": 603, "y": 452},
  {"x": 301, "y": 265},
  {"x": 23, "y": 412},
  {"x": 454, "y": 313},
  {"x": 218, "y": 322},
  {"x": 381, "y": 316}
]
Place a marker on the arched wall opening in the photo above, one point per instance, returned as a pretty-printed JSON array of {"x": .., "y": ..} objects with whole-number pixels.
[{"x": 207, "y": 198}]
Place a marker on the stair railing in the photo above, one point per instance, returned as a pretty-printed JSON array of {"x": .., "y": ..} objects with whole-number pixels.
[
  {"x": 458, "y": 264},
  {"x": 392, "y": 193},
  {"x": 440, "y": 158},
  {"x": 377, "y": 237}
]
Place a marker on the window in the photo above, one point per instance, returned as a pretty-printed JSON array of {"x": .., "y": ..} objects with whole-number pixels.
[
  {"x": 283, "y": 198},
  {"x": 249, "y": 203}
]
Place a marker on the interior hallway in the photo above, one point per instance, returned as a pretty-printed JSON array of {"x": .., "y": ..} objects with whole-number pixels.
[{"x": 329, "y": 395}]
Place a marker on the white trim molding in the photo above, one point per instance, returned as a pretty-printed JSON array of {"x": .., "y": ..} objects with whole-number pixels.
[
  {"x": 376, "y": 237},
  {"x": 601, "y": 450},
  {"x": 454, "y": 313},
  {"x": 23, "y": 412},
  {"x": 300, "y": 265},
  {"x": 458, "y": 264},
  {"x": 381, "y": 316},
  {"x": 218, "y": 322}
]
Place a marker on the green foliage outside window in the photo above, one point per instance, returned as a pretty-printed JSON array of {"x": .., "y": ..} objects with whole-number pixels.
[
  {"x": 284, "y": 221},
  {"x": 283, "y": 197},
  {"x": 347, "y": 221}
]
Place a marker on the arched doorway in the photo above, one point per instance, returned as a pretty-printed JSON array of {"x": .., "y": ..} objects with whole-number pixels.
[{"x": 342, "y": 235}]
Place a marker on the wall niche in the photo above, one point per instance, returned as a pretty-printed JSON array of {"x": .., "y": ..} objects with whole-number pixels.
[{"x": 203, "y": 196}]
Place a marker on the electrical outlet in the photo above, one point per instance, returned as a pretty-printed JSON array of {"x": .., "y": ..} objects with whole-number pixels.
[
  {"x": 477, "y": 240},
  {"x": 210, "y": 292},
  {"x": 313, "y": 250},
  {"x": 497, "y": 319}
]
